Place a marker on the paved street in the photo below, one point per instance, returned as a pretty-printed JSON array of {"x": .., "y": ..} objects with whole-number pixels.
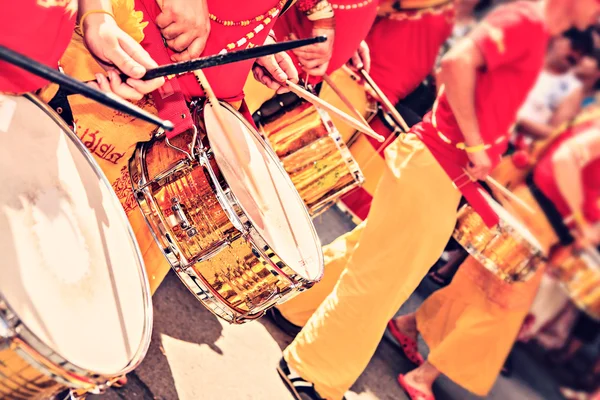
[{"x": 194, "y": 355}]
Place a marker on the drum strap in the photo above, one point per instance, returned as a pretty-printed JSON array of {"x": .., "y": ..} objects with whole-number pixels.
[
  {"x": 60, "y": 104},
  {"x": 169, "y": 99},
  {"x": 554, "y": 217}
]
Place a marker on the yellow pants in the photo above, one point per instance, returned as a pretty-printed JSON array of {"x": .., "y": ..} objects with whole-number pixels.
[
  {"x": 471, "y": 325},
  {"x": 411, "y": 219}
]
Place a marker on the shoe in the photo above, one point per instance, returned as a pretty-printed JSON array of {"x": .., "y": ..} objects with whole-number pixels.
[
  {"x": 408, "y": 345},
  {"x": 301, "y": 389},
  {"x": 412, "y": 392},
  {"x": 282, "y": 323}
]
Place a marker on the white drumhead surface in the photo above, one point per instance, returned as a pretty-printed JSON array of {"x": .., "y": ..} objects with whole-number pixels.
[
  {"x": 274, "y": 207},
  {"x": 69, "y": 267},
  {"x": 517, "y": 225}
]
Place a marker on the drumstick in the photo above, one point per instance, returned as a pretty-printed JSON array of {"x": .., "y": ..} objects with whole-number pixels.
[
  {"x": 77, "y": 87},
  {"x": 385, "y": 101},
  {"x": 184, "y": 67},
  {"x": 342, "y": 115},
  {"x": 507, "y": 193},
  {"x": 214, "y": 102},
  {"x": 344, "y": 99}
]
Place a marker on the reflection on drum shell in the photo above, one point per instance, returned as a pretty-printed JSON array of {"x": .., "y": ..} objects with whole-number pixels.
[
  {"x": 498, "y": 249},
  {"x": 581, "y": 281}
]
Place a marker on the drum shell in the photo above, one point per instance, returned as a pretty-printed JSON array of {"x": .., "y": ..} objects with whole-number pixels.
[
  {"x": 313, "y": 153},
  {"x": 500, "y": 249}
]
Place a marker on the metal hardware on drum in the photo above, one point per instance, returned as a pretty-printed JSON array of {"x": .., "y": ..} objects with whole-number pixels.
[
  {"x": 76, "y": 87},
  {"x": 212, "y": 230},
  {"x": 227, "y": 58}
]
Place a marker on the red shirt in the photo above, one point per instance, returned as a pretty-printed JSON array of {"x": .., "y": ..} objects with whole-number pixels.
[
  {"x": 351, "y": 27},
  {"x": 228, "y": 80},
  {"x": 513, "y": 40},
  {"x": 39, "y": 29},
  {"x": 545, "y": 179}
]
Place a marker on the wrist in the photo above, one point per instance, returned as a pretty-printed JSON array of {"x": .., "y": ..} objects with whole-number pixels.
[
  {"x": 95, "y": 18},
  {"x": 327, "y": 24}
]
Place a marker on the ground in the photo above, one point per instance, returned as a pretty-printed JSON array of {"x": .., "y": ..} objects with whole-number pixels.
[{"x": 196, "y": 356}]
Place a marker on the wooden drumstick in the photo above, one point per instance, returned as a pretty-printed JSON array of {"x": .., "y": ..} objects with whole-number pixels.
[
  {"x": 326, "y": 106},
  {"x": 344, "y": 99},
  {"x": 385, "y": 101}
]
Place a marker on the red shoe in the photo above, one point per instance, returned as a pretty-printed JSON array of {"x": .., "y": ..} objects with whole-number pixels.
[
  {"x": 408, "y": 345},
  {"x": 412, "y": 392}
]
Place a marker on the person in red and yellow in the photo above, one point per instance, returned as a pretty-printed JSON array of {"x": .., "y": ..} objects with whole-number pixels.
[
  {"x": 485, "y": 79},
  {"x": 459, "y": 322},
  {"x": 168, "y": 31},
  {"x": 403, "y": 44}
]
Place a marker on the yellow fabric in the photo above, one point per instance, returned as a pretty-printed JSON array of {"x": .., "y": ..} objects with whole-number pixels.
[
  {"x": 470, "y": 333},
  {"x": 411, "y": 220},
  {"x": 299, "y": 309},
  {"x": 111, "y": 137}
]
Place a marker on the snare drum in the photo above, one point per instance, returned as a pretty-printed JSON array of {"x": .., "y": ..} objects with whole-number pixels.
[
  {"x": 579, "y": 275},
  {"x": 75, "y": 307},
  {"x": 312, "y": 151},
  {"x": 240, "y": 251},
  {"x": 508, "y": 249}
]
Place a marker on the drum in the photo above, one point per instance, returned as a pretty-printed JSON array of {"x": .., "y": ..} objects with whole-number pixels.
[
  {"x": 75, "y": 307},
  {"x": 240, "y": 249},
  {"x": 579, "y": 275},
  {"x": 311, "y": 150},
  {"x": 508, "y": 249}
]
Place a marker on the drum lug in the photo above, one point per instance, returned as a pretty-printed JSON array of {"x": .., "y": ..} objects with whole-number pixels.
[
  {"x": 182, "y": 220},
  {"x": 8, "y": 321}
]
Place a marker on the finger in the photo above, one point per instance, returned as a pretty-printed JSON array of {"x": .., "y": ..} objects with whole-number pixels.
[
  {"x": 309, "y": 52},
  {"x": 312, "y": 64},
  {"x": 272, "y": 67},
  {"x": 261, "y": 75},
  {"x": 164, "y": 19},
  {"x": 193, "y": 51},
  {"x": 356, "y": 62},
  {"x": 287, "y": 65},
  {"x": 137, "y": 52},
  {"x": 172, "y": 31},
  {"x": 366, "y": 59},
  {"x": 94, "y": 85},
  {"x": 181, "y": 42},
  {"x": 103, "y": 83},
  {"x": 145, "y": 87},
  {"x": 121, "y": 89}
]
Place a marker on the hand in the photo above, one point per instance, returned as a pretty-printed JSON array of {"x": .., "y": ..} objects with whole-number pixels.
[
  {"x": 272, "y": 71},
  {"x": 361, "y": 58},
  {"x": 479, "y": 166},
  {"x": 587, "y": 236},
  {"x": 185, "y": 25},
  {"x": 315, "y": 58},
  {"x": 115, "y": 49}
]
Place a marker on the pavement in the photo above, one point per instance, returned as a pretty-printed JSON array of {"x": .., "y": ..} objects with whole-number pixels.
[{"x": 194, "y": 355}]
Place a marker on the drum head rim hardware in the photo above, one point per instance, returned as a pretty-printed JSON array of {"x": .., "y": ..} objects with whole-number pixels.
[
  {"x": 191, "y": 146},
  {"x": 84, "y": 377}
]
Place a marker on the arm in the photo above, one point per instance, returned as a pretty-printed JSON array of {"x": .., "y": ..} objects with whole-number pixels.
[
  {"x": 534, "y": 129},
  {"x": 458, "y": 73},
  {"x": 568, "y": 108}
]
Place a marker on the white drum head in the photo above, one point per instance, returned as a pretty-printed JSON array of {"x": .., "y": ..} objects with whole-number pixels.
[
  {"x": 274, "y": 208},
  {"x": 70, "y": 270},
  {"x": 514, "y": 223}
]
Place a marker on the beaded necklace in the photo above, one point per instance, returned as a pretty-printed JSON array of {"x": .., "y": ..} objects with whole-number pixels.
[{"x": 351, "y": 6}]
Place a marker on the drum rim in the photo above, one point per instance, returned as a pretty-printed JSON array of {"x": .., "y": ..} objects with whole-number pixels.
[
  {"x": 18, "y": 332},
  {"x": 584, "y": 255}
]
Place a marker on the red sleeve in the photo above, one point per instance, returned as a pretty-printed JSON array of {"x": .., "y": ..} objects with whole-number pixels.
[{"x": 505, "y": 36}]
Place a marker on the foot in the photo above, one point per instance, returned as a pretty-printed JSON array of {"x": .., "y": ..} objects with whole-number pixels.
[
  {"x": 282, "y": 323},
  {"x": 414, "y": 389},
  {"x": 405, "y": 333},
  {"x": 119, "y": 383},
  {"x": 298, "y": 386}
]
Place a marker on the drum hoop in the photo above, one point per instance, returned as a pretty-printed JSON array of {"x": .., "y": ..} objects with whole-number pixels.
[{"x": 35, "y": 351}]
